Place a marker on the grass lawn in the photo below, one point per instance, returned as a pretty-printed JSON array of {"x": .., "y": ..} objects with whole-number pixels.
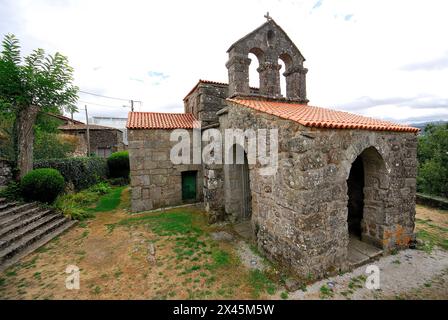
[
  {"x": 109, "y": 201},
  {"x": 113, "y": 252},
  {"x": 158, "y": 255}
]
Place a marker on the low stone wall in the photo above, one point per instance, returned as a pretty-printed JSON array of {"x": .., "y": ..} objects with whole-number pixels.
[
  {"x": 6, "y": 174},
  {"x": 299, "y": 215},
  {"x": 156, "y": 182},
  {"x": 432, "y": 201}
]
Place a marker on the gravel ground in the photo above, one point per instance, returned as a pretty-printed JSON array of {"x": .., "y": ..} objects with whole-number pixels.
[{"x": 408, "y": 274}]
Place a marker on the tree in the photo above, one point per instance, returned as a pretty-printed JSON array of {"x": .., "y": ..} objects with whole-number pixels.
[
  {"x": 433, "y": 159},
  {"x": 38, "y": 83}
]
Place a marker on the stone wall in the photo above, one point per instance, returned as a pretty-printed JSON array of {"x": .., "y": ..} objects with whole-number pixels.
[
  {"x": 206, "y": 100},
  {"x": 6, "y": 174},
  {"x": 104, "y": 139},
  {"x": 156, "y": 182},
  {"x": 299, "y": 215},
  {"x": 268, "y": 43}
]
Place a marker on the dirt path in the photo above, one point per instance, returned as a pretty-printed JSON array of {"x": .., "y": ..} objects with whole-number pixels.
[{"x": 401, "y": 276}]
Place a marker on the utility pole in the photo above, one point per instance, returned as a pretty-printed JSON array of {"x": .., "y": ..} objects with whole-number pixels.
[
  {"x": 132, "y": 104},
  {"x": 87, "y": 133}
]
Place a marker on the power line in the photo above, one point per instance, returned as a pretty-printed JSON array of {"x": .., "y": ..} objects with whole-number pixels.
[
  {"x": 99, "y": 95},
  {"x": 107, "y": 97},
  {"x": 102, "y": 105}
]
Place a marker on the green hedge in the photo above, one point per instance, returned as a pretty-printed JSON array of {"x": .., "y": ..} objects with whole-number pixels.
[
  {"x": 42, "y": 185},
  {"x": 118, "y": 163},
  {"x": 81, "y": 172}
]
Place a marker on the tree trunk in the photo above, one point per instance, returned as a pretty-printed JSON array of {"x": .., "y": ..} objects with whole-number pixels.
[{"x": 25, "y": 139}]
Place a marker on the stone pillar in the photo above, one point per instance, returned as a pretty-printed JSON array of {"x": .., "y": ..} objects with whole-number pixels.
[
  {"x": 270, "y": 79},
  {"x": 302, "y": 84},
  {"x": 238, "y": 67},
  {"x": 296, "y": 83}
]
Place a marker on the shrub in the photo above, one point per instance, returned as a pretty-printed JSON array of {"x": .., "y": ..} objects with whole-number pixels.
[
  {"x": 51, "y": 145},
  {"x": 70, "y": 208},
  {"x": 11, "y": 192},
  {"x": 42, "y": 185},
  {"x": 118, "y": 163},
  {"x": 100, "y": 188},
  {"x": 81, "y": 172},
  {"x": 77, "y": 206}
]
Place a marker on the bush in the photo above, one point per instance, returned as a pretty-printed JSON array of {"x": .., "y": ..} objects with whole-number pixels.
[
  {"x": 81, "y": 172},
  {"x": 51, "y": 146},
  {"x": 42, "y": 185},
  {"x": 12, "y": 192},
  {"x": 118, "y": 164},
  {"x": 77, "y": 206}
]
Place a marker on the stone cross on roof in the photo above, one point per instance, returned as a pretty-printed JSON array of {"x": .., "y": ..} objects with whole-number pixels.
[{"x": 267, "y": 16}]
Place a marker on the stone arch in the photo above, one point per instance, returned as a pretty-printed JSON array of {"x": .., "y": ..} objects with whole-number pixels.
[
  {"x": 273, "y": 42},
  {"x": 253, "y": 69},
  {"x": 367, "y": 201}
]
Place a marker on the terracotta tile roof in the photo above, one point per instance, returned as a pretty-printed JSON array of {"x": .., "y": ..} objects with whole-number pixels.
[
  {"x": 158, "y": 120},
  {"x": 310, "y": 116}
]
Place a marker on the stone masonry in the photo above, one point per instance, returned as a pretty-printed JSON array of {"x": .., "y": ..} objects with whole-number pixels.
[
  {"x": 155, "y": 180},
  {"x": 6, "y": 173},
  {"x": 299, "y": 215}
]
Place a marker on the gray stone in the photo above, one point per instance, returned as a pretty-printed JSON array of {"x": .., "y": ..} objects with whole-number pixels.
[
  {"x": 221, "y": 236},
  {"x": 292, "y": 285}
]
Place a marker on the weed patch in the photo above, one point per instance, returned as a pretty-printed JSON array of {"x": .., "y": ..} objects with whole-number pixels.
[{"x": 260, "y": 283}]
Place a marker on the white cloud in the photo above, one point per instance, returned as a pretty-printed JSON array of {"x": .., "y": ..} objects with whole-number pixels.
[{"x": 155, "y": 51}]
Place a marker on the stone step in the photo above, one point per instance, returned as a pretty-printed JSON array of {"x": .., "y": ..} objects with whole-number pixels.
[
  {"x": 20, "y": 229},
  {"x": 2, "y": 200},
  {"x": 7, "y": 221},
  {"x": 17, "y": 209},
  {"x": 38, "y": 242},
  {"x": 6, "y": 205},
  {"x": 27, "y": 240},
  {"x": 360, "y": 253},
  {"x": 19, "y": 224}
]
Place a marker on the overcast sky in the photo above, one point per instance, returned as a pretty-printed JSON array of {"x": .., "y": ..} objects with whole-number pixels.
[{"x": 382, "y": 58}]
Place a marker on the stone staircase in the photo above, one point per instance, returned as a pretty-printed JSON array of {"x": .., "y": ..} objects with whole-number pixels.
[{"x": 26, "y": 227}]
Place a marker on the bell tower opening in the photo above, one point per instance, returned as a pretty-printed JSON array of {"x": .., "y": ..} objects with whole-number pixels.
[{"x": 280, "y": 65}]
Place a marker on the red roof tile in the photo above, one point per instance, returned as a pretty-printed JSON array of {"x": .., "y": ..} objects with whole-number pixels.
[
  {"x": 158, "y": 120},
  {"x": 310, "y": 116}
]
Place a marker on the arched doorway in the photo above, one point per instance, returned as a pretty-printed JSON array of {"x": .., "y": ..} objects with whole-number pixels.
[
  {"x": 355, "y": 192},
  {"x": 366, "y": 210},
  {"x": 237, "y": 186}
]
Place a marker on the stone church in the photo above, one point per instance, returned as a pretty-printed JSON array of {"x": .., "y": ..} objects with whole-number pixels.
[{"x": 341, "y": 178}]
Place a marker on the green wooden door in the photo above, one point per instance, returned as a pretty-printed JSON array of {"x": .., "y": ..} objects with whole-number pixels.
[{"x": 189, "y": 185}]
